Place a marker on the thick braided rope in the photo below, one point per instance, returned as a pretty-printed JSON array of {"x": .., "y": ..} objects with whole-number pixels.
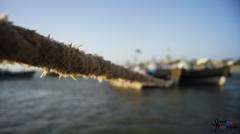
[{"x": 18, "y": 44}]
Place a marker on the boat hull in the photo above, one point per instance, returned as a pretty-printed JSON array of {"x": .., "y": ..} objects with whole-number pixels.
[
  {"x": 16, "y": 75},
  {"x": 217, "y": 80},
  {"x": 172, "y": 74},
  {"x": 206, "y": 76}
]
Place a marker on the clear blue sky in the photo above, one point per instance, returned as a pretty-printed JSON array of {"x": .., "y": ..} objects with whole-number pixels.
[{"x": 115, "y": 28}]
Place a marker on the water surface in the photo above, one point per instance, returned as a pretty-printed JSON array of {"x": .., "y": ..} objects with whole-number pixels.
[{"x": 65, "y": 106}]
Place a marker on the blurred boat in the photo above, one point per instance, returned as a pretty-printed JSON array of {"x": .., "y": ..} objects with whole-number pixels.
[
  {"x": 216, "y": 76},
  {"x": 191, "y": 73},
  {"x": 8, "y": 75},
  {"x": 184, "y": 72},
  {"x": 165, "y": 72}
]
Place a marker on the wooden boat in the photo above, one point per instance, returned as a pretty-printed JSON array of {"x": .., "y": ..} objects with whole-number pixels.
[
  {"x": 173, "y": 74},
  {"x": 205, "y": 76},
  {"x": 7, "y": 75},
  {"x": 214, "y": 76}
]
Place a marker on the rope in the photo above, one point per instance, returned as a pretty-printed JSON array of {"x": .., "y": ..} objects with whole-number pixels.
[{"x": 21, "y": 45}]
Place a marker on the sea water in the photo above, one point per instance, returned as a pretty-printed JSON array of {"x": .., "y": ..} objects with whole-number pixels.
[{"x": 64, "y": 106}]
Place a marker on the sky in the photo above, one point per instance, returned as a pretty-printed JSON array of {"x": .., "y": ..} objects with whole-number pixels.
[{"x": 114, "y": 29}]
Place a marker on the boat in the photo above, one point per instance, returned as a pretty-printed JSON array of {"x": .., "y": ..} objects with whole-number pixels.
[
  {"x": 186, "y": 73},
  {"x": 183, "y": 72},
  {"x": 165, "y": 72},
  {"x": 214, "y": 76},
  {"x": 8, "y": 75}
]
